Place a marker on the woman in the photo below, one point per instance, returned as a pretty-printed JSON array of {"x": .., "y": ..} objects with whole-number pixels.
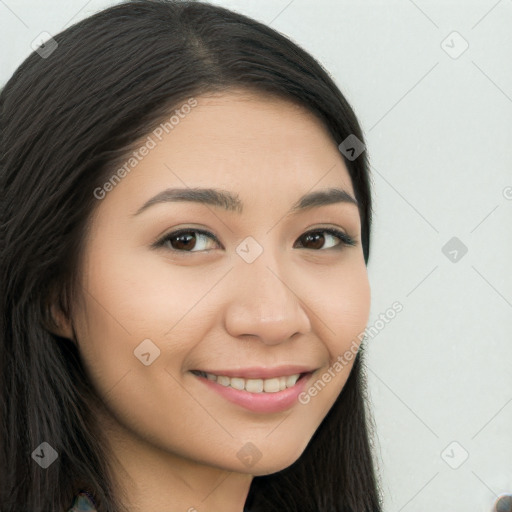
[{"x": 185, "y": 227}]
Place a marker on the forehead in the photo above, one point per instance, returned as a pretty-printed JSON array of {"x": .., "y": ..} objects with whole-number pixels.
[
  {"x": 256, "y": 122},
  {"x": 265, "y": 150}
]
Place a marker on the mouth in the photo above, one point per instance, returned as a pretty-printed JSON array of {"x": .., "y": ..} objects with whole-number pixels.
[
  {"x": 255, "y": 385},
  {"x": 261, "y": 396}
]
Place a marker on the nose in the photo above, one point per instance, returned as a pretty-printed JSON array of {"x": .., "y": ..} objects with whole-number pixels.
[{"x": 266, "y": 302}]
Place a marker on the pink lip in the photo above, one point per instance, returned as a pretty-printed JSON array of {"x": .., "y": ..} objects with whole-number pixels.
[
  {"x": 260, "y": 402},
  {"x": 262, "y": 372}
]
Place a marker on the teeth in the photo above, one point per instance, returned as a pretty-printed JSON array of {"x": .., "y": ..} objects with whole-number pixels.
[{"x": 254, "y": 385}]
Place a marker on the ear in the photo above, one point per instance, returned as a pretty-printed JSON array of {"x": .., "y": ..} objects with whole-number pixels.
[{"x": 56, "y": 320}]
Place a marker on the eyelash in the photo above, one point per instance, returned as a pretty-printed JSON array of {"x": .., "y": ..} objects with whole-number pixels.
[{"x": 345, "y": 240}]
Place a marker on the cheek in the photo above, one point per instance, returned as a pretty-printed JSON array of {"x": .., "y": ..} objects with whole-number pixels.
[
  {"x": 121, "y": 310},
  {"x": 135, "y": 394},
  {"x": 343, "y": 307},
  {"x": 131, "y": 298},
  {"x": 342, "y": 319},
  {"x": 143, "y": 295}
]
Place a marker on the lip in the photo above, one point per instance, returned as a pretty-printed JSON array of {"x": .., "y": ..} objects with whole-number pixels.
[
  {"x": 259, "y": 402},
  {"x": 262, "y": 372}
]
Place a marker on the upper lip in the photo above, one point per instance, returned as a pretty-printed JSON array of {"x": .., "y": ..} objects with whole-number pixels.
[{"x": 262, "y": 372}]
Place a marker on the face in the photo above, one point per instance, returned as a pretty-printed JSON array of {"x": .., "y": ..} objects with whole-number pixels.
[{"x": 257, "y": 286}]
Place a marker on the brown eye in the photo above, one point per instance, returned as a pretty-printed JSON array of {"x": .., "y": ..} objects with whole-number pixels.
[
  {"x": 317, "y": 239},
  {"x": 183, "y": 241},
  {"x": 187, "y": 240}
]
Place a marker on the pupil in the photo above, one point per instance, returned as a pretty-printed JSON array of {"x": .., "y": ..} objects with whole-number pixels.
[
  {"x": 317, "y": 238},
  {"x": 185, "y": 244}
]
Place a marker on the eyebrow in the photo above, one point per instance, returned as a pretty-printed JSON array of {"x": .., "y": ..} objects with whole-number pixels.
[{"x": 231, "y": 202}]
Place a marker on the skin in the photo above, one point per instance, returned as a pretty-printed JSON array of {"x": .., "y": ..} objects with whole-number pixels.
[{"x": 175, "y": 442}]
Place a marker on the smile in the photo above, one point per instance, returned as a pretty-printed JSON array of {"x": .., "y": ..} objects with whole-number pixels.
[
  {"x": 259, "y": 400},
  {"x": 273, "y": 385}
]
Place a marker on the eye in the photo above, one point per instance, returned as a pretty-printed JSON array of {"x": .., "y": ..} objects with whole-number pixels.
[
  {"x": 193, "y": 240},
  {"x": 317, "y": 238},
  {"x": 184, "y": 240}
]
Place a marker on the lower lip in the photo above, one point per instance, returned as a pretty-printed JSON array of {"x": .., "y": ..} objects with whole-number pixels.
[{"x": 260, "y": 402}]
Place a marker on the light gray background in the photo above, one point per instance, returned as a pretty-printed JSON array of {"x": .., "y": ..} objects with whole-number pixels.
[{"x": 438, "y": 134}]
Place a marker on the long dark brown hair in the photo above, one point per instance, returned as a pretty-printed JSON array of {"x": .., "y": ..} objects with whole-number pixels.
[{"x": 66, "y": 121}]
